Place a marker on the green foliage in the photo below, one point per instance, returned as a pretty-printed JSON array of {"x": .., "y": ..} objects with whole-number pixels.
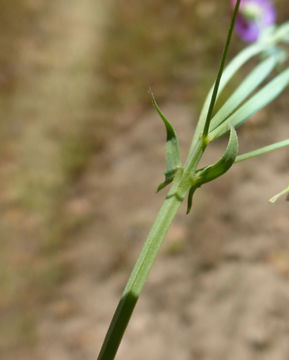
[
  {"x": 214, "y": 171},
  {"x": 263, "y": 150},
  {"x": 250, "y": 83},
  {"x": 263, "y": 97},
  {"x": 173, "y": 158}
]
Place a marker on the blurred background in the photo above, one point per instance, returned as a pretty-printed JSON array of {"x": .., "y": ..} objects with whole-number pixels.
[{"x": 82, "y": 152}]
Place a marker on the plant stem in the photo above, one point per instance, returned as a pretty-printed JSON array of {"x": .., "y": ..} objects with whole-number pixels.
[
  {"x": 180, "y": 187},
  {"x": 146, "y": 259},
  {"x": 138, "y": 278},
  {"x": 220, "y": 72}
]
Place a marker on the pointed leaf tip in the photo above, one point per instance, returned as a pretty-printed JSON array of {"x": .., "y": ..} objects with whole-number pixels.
[
  {"x": 169, "y": 177},
  {"x": 173, "y": 159},
  {"x": 190, "y": 198},
  {"x": 277, "y": 196}
]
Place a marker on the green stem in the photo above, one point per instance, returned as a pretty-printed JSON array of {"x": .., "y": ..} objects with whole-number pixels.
[
  {"x": 138, "y": 278},
  {"x": 181, "y": 186},
  {"x": 261, "y": 151},
  {"x": 176, "y": 195},
  {"x": 220, "y": 72}
]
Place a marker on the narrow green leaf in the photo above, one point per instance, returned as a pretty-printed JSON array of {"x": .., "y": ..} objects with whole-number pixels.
[
  {"x": 280, "y": 34},
  {"x": 230, "y": 70},
  {"x": 263, "y": 97},
  {"x": 173, "y": 158},
  {"x": 214, "y": 171},
  {"x": 251, "y": 82},
  {"x": 211, "y": 172},
  {"x": 261, "y": 151}
]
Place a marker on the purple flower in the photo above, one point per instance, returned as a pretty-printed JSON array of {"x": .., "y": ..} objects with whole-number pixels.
[{"x": 253, "y": 17}]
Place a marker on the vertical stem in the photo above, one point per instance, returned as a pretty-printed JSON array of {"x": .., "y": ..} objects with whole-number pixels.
[
  {"x": 138, "y": 277},
  {"x": 159, "y": 229},
  {"x": 217, "y": 83}
]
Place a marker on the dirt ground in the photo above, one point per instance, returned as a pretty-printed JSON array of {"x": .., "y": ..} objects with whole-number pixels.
[{"x": 219, "y": 289}]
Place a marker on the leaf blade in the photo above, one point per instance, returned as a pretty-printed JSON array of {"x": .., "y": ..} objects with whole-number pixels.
[
  {"x": 214, "y": 171},
  {"x": 262, "y": 150},
  {"x": 173, "y": 159},
  {"x": 211, "y": 172},
  {"x": 250, "y": 83},
  {"x": 262, "y": 98},
  {"x": 230, "y": 70}
]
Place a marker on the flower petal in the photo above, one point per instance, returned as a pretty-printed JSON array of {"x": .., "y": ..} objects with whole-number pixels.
[{"x": 249, "y": 30}]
